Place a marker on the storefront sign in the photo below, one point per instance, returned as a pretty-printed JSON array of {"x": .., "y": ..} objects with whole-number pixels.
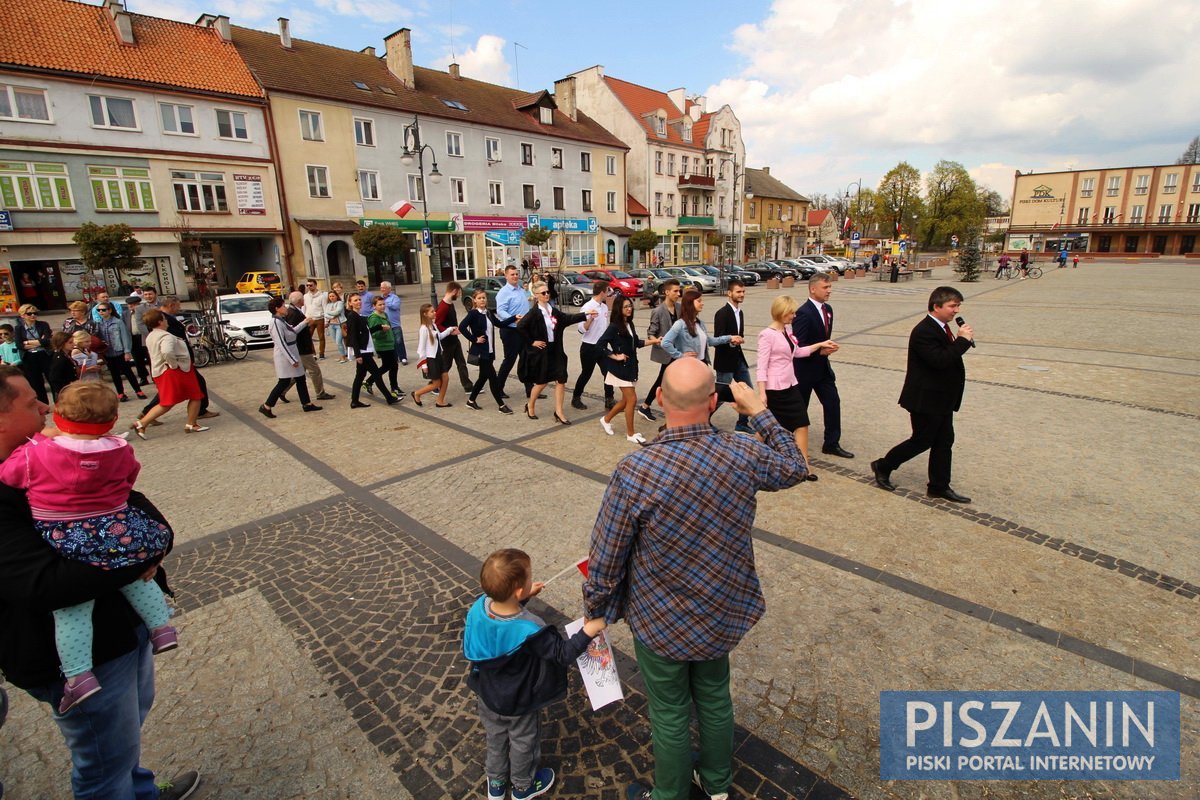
[
  {"x": 6, "y": 221},
  {"x": 507, "y": 238},
  {"x": 588, "y": 225},
  {"x": 354, "y": 209},
  {"x": 248, "y": 189},
  {"x": 473, "y": 223}
]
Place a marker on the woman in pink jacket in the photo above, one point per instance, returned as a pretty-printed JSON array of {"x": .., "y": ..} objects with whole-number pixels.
[{"x": 777, "y": 384}]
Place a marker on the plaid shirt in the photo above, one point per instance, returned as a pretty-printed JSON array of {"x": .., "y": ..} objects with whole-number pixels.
[{"x": 672, "y": 550}]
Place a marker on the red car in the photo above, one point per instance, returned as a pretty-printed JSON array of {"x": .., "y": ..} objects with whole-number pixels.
[{"x": 625, "y": 283}]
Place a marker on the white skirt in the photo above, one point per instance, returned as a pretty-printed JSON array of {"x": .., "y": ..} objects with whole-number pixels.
[{"x": 613, "y": 380}]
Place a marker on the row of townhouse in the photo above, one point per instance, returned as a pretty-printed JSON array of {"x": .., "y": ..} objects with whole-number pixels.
[{"x": 229, "y": 149}]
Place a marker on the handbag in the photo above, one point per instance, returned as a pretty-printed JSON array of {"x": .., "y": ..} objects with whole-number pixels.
[{"x": 473, "y": 359}]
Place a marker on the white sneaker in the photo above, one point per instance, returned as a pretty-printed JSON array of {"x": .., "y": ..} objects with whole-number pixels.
[
  {"x": 606, "y": 425},
  {"x": 637, "y": 438},
  {"x": 696, "y": 780}
]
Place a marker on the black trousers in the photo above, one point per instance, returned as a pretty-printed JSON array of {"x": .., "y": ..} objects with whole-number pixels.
[
  {"x": 141, "y": 359},
  {"x": 590, "y": 357},
  {"x": 831, "y": 404},
  {"x": 452, "y": 353},
  {"x": 119, "y": 368},
  {"x": 488, "y": 377},
  {"x": 281, "y": 386},
  {"x": 514, "y": 345},
  {"x": 932, "y": 432},
  {"x": 389, "y": 364},
  {"x": 36, "y": 366},
  {"x": 366, "y": 366},
  {"x": 649, "y": 401}
]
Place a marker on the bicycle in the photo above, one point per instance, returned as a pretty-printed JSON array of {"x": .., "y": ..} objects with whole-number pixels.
[{"x": 210, "y": 343}]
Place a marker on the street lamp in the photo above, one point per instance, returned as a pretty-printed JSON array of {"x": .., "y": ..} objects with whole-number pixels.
[
  {"x": 853, "y": 217},
  {"x": 738, "y": 244},
  {"x": 414, "y": 149}
]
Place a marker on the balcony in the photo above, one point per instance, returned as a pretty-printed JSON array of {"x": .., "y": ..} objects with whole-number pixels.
[
  {"x": 704, "y": 182},
  {"x": 696, "y": 222}
]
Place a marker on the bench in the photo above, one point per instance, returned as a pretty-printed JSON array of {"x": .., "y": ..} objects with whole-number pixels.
[
  {"x": 926, "y": 272},
  {"x": 885, "y": 274}
]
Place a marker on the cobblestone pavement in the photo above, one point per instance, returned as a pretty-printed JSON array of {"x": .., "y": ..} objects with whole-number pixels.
[{"x": 325, "y": 561}]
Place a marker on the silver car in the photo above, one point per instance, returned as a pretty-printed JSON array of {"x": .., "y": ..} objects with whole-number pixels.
[{"x": 696, "y": 279}]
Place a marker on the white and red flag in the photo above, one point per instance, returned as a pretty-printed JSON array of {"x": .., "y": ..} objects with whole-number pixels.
[{"x": 402, "y": 209}]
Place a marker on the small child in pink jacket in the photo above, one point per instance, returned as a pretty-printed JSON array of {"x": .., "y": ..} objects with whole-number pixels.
[{"x": 78, "y": 484}]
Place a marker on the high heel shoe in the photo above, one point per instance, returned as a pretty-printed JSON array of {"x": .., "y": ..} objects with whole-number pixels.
[
  {"x": 531, "y": 416},
  {"x": 195, "y": 428},
  {"x": 139, "y": 429},
  {"x": 560, "y": 420}
]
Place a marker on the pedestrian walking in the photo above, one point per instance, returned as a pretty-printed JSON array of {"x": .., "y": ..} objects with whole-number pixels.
[
  {"x": 360, "y": 346},
  {"x": 545, "y": 361},
  {"x": 174, "y": 376},
  {"x": 479, "y": 327},
  {"x": 618, "y": 346},
  {"x": 118, "y": 354},
  {"x": 289, "y": 368},
  {"x": 429, "y": 351}
]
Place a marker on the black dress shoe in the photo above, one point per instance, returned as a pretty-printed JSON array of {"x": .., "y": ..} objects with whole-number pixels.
[
  {"x": 948, "y": 494},
  {"x": 837, "y": 450},
  {"x": 882, "y": 476},
  {"x": 311, "y": 407},
  {"x": 577, "y": 403},
  {"x": 325, "y": 396},
  {"x": 357, "y": 404}
]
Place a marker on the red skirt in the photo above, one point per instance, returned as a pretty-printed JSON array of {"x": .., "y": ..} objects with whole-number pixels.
[{"x": 176, "y": 386}]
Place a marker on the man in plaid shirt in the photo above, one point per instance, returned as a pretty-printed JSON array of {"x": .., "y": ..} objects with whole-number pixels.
[{"x": 672, "y": 554}]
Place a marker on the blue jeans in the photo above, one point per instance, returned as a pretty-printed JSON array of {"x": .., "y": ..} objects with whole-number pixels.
[
  {"x": 104, "y": 733},
  {"x": 335, "y": 330},
  {"x": 398, "y": 337},
  {"x": 742, "y": 373}
]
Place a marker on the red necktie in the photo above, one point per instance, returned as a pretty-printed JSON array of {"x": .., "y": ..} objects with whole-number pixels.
[
  {"x": 949, "y": 335},
  {"x": 828, "y": 318}
]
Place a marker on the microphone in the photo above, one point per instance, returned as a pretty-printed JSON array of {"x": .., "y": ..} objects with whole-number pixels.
[{"x": 959, "y": 322}]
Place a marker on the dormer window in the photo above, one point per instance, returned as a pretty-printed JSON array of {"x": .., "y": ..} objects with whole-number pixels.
[
  {"x": 660, "y": 126},
  {"x": 546, "y": 115},
  {"x": 456, "y": 105},
  {"x": 687, "y": 132}
]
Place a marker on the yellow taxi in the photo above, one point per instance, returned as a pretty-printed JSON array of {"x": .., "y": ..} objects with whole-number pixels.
[{"x": 261, "y": 281}]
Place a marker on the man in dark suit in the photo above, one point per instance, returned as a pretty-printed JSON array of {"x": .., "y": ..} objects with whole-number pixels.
[
  {"x": 728, "y": 359},
  {"x": 813, "y": 324},
  {"x": 933, "y": 390}
]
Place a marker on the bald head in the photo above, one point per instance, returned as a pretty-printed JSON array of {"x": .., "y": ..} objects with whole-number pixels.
[
  {"x": 296, "y": 299},
  {"x": 687, "y": 392}
]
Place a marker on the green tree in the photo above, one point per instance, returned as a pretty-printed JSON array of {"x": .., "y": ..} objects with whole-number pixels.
[
  {"x": 993, "y": 203},
  {"x": 898, "y": 197},
  {"x": 380, "y": 243},
  {"x": 104, "y": 247},
  {"x": 952, "y": 203},
  {"x": 536, "y": 236},
  {"x": 970, "y": 260},
  {"x": 1191, "y": 154},
  {"x": 644, "y": 241}
]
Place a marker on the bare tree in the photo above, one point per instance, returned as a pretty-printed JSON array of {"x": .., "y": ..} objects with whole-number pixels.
[{"x": 1192, "y": 154}]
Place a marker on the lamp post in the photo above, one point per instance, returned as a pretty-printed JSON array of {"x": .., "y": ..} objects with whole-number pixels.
[
  {"x": 413, "y": 149},
  {"x": 854, "y": 216},
  {"x": 739, "y": 246}
]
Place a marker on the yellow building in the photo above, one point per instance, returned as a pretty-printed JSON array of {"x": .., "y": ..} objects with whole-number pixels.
[{"x": 775, "y": 219}]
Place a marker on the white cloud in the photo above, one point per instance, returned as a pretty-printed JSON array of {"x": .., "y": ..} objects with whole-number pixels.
[
  {"x": 856, "y": 86},
  {"x": 484, "y": 61},
  {"x": 382, "y": 12}
]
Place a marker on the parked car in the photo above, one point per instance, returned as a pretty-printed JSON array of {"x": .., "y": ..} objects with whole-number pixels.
[
  {"x": 574, "y": 289},
  {"x": 260, "y": 281},
  {"x": 625, "y": 283},
  {"x": 649, "y": 280},
  {"x": 804, "y": 268},
  {"x": 747, "y": 277},
  {"x": 831, "y": 262},
  {"x": 766, "y": 270},
  {"x": 245, "y": 316},
  {"x": 491, "y": 285}
]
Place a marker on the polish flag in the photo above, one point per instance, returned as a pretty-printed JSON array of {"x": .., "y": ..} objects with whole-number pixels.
[
  {"x": 402, "y": 208},
  {"x": 846, "y": 225}
]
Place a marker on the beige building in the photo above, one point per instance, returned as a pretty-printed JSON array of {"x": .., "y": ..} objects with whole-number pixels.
[
  {"x": 775, "y": 219},
  {"x": 1123, "y": 210}
]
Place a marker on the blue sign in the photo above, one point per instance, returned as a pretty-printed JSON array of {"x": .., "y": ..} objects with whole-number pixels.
[
  {"x": 1023, "y": 736},
  {"x": 534, "y": 220},
  {"x": 507, "y": 238},
  {"x": 6, "y": 221},
  {"x": 854, "y": 237},
  {"x": 427, "y": 237},
  {"x": 593, "y": 226},
  {"x": 572, "y": 225}
]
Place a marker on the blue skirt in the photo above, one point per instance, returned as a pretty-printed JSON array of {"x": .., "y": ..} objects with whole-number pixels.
[{"x": 108, "y": 541}]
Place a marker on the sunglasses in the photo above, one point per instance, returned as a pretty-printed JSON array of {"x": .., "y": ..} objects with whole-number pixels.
[
  {"x": 30, "y": 314},
  {"x": 545, "y": 293},
  {"x": 105, "y": 308}
]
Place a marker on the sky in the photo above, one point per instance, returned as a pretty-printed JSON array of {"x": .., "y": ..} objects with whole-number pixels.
[{"x": 834, "y": 92}]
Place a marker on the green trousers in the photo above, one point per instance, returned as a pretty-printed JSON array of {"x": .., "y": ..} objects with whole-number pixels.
[{"x": 672, "y": 688}]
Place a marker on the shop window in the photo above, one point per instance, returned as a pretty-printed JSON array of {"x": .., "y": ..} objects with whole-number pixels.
[
  {"x": 121, "y": 188},
  {"x": 35, "y": 186}
]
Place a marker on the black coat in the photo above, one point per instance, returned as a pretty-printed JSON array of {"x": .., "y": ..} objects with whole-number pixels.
[
  {"x": 728, "y": 357},
  {"x": 935, "y": 378},
  {"x": 809, "y": 328},
  {"x": 529, "y": 678},
  {"x": 621, "y": 340},
  {"x": 549, "y": 364},
  {"x": 473, "y": 326},
  {"x": 358, "y": 334}
]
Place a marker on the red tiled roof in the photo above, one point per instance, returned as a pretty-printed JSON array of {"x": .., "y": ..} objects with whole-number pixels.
[
  {"x": 81, "y": 39},
  {"x": 635, "y": 208},
  {"x": 320, "y": 70},
  {"x": 818, "y": 216},
  {"x": 642, "y": 100}
]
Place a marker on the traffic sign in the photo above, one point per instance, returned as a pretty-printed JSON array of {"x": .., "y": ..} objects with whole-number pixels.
[
  {"x": 854, "y": 237},
  {"x": 533, "y": 220},
  {"x": 6, "y": 221},
  {"x": 427, "y": 237}
]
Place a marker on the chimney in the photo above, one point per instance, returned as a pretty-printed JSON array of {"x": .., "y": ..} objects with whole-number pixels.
[
  {"x": 221, "y": 25},
  {"x": 399, "y": 56},
  {"x": 564, "y": 97},
  {"x": 285, "y": 35},
  {"x": 695, "y": 112},
  {"x": 370, "y": 51},
  {"x": 454, "y": 73},
  {"x": 678, "y": 97},
  {"x": 122, "y": 22},
  {"x": 766, "y": 170}
]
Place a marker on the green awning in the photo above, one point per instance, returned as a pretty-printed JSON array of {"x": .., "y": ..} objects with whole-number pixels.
[{"x": 443, "y": 225}]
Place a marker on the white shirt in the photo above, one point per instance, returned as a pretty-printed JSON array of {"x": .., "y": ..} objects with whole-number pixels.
[
  {"x": 592, "y": 333},
  {"x": 737, "y": 316},
  {"x": 945, "y": 325},
  {"x": 314, "y": 304},
  {"x": 550, "y": 321}
]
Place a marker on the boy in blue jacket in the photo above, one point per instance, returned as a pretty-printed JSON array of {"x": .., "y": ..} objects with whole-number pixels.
[{"x": 518, "y": 665}]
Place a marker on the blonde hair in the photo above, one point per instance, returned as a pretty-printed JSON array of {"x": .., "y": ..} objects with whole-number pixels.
[
  {"x": 538, "y": 286},
  {"x": 87, "y": 402},
  {"x": 81, "y": 337},
  {"x": 27, "y": 308},
  {"x": 78, "y": 305},
  {"x": 782, "y": 306}
]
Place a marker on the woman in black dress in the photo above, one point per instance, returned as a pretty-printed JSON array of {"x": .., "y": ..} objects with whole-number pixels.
[
  {"x": 544, "y": 361},
  {"x": 360, "y": 347},
  {"x": 33, "y": 337}
]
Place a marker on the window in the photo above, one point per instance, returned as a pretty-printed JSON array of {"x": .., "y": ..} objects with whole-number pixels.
[
  {"x": 492, "y": 147},
  {"x": 368, "y": 184},
  {"x": 364, "y": 132},
  {"x": 610, "y": 165},
  {"x": 560, "y": 202},
  {"x": 456, "y": 105},
  {"x": 611, "y": 202},
  {"x": 528, "y": 196},
  {"x": 1142, "y": 185},
  {"x": 770, "y": 211},
  {"x": 1110, "y": 215},
  {"x": 556, "y": 156},
  {"x": 527, "y": 154},
  {"x": 689, "y": 248},
  {"x": 121, "y": 188},
  {"x": 1196, "y": 181},
  {"x": 1171, "y": 183},
  {"x": 708, "y": 205},
  {"x": 1164, "y": 212},
  {"x": 670, "y": 163},
  {"x": 416, "y": 189},
  {"x": 496, "y": 193},
  {"x": 35, "y": 186},
  {"x": 24, "y": 103},
  {"x": 112, "y": 112},
  {"x": 708, "y": 167},
  {"x": 1114, "y": 187},
  {"x": 318, "y": 181},
  {"x": 1193, "y": 212},
  {"x": 361, "y": 85},
  {"x": 587, "y": 199},
  {"x": 660, "y": 126},
  {"x": 232, "y": 125},
  {"x": 670, "y": 204},
  {"x": 585, "y": 162},
  {"x": 683, "y": 165},
  {"x": 1083, "y": 217},
  {"x": 310, "y": 126},
  {"x": 177, "y": 119},
  {"x": 199, "y": 191},
  {"x": 579, "y": 249},
  {"x": 658, "y": 206},
  {"x": 687, "y": 131},
  {"x": 658, "y": 162},
  {"x": 1138, "y": 215},
  {"x": 546, "y": 115},
  {"x": 1131, "y": 244},
  {"x": 1087, "y": 187},
  {"x": 458, "y": 191},
  {"x": 753, "y": 207},
  {"x": 721, "y": 205},
  {"x": 454, "y": 144}
]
